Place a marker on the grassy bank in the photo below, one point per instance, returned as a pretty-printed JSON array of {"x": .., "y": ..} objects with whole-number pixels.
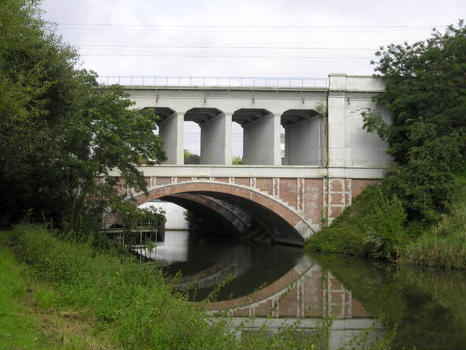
[
  {"x": 371, "y": 227},
  {"x": 31, "y": 319},
  {"x": 114, "y": 301},
  {"x": 444, "y": 244},
  {"x": 376, "y": 226}
]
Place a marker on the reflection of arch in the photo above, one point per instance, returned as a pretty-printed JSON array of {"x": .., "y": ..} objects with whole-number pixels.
[
  {"x": 281, "y": 221},
  {"x": 213, "y": 275},
  {"x": 306, "y": 290}
]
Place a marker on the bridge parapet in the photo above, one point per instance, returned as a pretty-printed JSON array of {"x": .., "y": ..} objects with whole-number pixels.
[{"x": 215, "y": 82}]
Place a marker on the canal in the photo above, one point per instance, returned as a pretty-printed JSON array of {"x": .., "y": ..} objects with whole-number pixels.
[{"x": 280, "y": 284}]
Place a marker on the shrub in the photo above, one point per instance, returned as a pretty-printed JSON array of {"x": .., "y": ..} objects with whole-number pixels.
[{"x": 372, "y": 226}]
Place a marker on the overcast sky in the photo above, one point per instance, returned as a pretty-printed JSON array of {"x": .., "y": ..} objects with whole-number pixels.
[{"x": 261, "y": 38}]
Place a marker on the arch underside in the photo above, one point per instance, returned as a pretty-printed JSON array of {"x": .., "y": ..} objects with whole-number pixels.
[{"x": 236, "y": 209}]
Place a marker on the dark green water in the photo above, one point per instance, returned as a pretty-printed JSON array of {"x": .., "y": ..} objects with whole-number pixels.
[{"x": 427, "y": 308}]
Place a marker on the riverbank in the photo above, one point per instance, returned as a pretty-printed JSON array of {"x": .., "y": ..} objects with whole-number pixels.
[
  {"x": 375, "y": 226},
  {"x": 69, "y": 295}
]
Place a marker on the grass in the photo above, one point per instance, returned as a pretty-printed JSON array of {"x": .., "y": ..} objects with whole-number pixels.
[
  {"x": 29, "y": 318},
  {"x": 19, "y": 329},
  {"x": 443, "y": 245},
  {"x": 90, "y": 299}
]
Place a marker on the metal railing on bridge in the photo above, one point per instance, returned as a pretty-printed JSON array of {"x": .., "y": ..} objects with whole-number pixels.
[{"x": 215, "y": 82}]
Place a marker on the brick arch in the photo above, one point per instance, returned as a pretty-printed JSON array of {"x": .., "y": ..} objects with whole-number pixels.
[{"x": 283, "y": 217}]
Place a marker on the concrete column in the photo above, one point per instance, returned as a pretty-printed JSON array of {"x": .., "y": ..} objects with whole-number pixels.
[
  {"x": 338, "y": 150},
  {"x": 228, "y": 147},
  {"x": 277, "y": 156},
  {"x": 303, "y": 142},
  {"x": 261, "y": 141},
  {"x": 216, "y": 140},
  {"x": 171, "y": 132}
]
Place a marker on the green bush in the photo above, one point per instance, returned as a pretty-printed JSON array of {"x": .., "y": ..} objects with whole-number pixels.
[
  {"x": 371, "y": 227},
  {"x": 442, "y": 245}
]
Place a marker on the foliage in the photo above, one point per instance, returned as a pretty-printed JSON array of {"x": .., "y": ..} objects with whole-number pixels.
[
  {"x": 443, "y": 244},
  {"x": 371, "y": 227},
  {"x": 426, "y": 99},
  {"x": 62, "y": 136},
  {"x": 131, "y": 303},
  {"x": 237, "y": 160},
  {"x": 191, "y": 158},
  {"x": 426, "y": 184}
]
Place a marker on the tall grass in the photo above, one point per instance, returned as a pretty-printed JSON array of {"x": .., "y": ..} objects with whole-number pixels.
[
  {"x": 17, "y": 326},
  {"x": 444, "y": 245},
  {"x": 130, "y": 302}
]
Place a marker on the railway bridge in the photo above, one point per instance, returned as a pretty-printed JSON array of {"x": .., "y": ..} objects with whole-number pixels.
[{"x": 291, "y": 184}]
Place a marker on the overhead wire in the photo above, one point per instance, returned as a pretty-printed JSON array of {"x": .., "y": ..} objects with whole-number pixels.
[
  {"x": 144, "y": 53},
  {"x": 271, "y": 26},
  {"x": 238, "y": 47}
]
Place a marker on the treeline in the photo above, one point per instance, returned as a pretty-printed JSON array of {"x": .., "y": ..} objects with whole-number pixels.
[
  {"x": 416, "y": 214},
  {"x": 61, "y": 134}
]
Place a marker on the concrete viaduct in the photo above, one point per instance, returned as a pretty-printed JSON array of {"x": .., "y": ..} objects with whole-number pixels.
[{"x": 328, "y": 158}]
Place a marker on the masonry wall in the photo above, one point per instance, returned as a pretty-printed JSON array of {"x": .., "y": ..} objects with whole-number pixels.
[{"x": 313, "y": 199}]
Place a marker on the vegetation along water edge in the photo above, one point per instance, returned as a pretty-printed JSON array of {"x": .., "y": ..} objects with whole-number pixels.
[
  {"x": 417, "y": 213},
  {"x": 69, "y": 294}
]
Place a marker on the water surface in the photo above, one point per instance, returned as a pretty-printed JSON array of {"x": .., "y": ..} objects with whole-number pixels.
[{"x": 284, "y": 283}]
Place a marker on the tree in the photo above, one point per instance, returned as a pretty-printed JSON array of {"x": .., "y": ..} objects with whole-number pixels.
[
  {"x": 61, "y": 134},
  {"x": 426, "y": 97},
  {"x": 191, "y": 158},
  {"x": 237, "y": 160}
]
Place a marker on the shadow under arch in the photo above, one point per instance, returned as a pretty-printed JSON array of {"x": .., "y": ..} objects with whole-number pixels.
[{"x": 283, "y": 223}]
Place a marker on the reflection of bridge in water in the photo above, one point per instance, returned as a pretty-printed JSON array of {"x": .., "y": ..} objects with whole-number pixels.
[
  {"x": 306, "y": 293},
  {"x": 212, "y": 276}
]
